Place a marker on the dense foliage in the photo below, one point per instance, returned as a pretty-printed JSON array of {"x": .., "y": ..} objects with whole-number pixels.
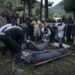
[
  {"x": 69, "y": 5},
  {"x": 30, "y": 5}
]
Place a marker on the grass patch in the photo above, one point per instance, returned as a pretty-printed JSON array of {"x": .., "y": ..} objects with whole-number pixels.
[{"x": 63, "y": 66}]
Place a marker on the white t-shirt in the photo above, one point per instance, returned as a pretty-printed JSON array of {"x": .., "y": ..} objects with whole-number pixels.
[
  {"x": 60, "y": 30},
  {"x": 13, "y": 27},
  {"x": 5, "y": 27}
]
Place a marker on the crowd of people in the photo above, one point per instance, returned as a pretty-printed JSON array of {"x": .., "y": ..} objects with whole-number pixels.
[
  {"x": 37, "y": 28},
  {"x": 14, "y": 30}
]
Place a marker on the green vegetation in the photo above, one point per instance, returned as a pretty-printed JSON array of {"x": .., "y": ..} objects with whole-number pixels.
[
  {"x": 28, "y": 7},
  {"x": 70, "y": 6}
]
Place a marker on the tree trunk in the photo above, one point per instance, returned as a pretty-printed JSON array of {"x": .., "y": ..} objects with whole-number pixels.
[
  {"x": 74, "y": 26},
  {"x": 29, "y": 9},
  {"x": 41, "y": 5},
  {"x": 46, "y": 9},
  {"x": 24, "y": 8}
]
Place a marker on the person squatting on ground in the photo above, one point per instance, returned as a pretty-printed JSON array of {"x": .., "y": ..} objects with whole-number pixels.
[
  {"x": 60, "y": 31},
  {"x": 13, "y": 37}
]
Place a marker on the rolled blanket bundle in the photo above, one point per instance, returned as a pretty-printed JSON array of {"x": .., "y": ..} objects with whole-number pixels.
[
  {"x": 44, "y": 56},
  {"x": 37, "y": 47}
]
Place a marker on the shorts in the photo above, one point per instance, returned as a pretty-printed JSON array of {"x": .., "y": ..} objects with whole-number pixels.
[{"x": 36, "y": 32}]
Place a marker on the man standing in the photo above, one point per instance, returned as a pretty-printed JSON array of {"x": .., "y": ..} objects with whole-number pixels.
[{"x": 60, "y": 31}]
